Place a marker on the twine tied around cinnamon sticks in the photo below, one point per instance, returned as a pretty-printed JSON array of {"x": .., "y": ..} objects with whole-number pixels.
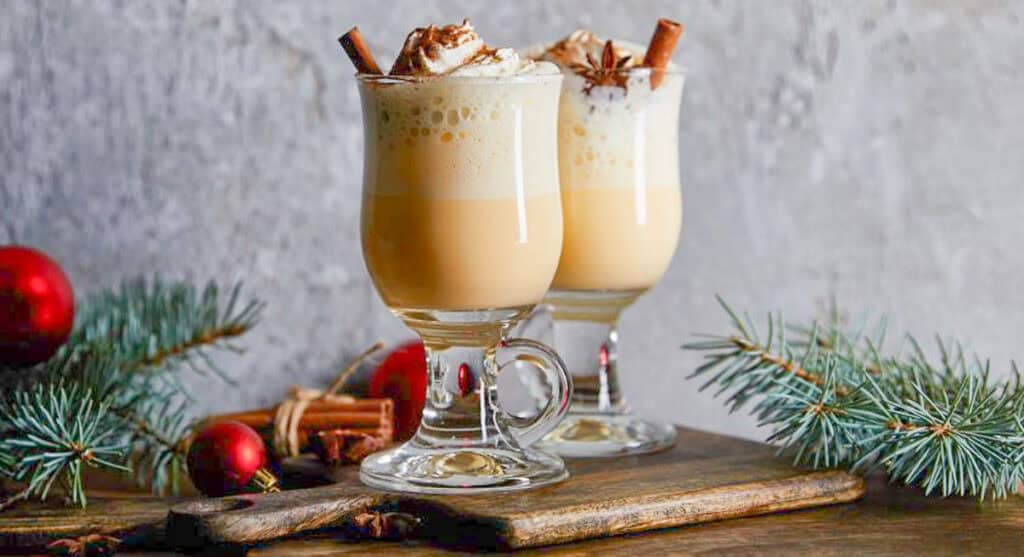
[
  {"x": 289, "y": 413},
  {"x": 313, "y": 413}
]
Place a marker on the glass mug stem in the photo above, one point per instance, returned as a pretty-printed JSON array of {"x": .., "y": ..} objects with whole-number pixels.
[
  {"x": 591, "y": 354},
  {"x": 463, "y": 407},
  {"x": 467, "y": 441},
  {"x": 584, "y": 328}
]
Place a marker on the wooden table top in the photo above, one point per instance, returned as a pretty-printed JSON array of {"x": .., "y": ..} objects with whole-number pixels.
[{"x": 888, "y": 521}]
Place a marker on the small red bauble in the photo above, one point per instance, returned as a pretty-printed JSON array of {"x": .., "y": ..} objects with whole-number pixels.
[
  {"x": 227, "y": 457},
  {"x": 37, "y": 306},
  {"x": 466, "y": 381},
  {"x": 402, "y": 377}
]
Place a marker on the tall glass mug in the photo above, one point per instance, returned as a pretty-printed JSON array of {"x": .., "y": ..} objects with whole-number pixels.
[
  {"x": 622, "y": 205},
  {"x": 461, "y": 233}
]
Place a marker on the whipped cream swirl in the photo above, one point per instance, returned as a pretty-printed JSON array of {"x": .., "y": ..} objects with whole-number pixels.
[
  {"x": 457, "y": 50},
  {"x": 582, "y": 43}
]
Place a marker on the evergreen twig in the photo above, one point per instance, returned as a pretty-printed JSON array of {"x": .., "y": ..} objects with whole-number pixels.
[
  {"x": 833, "y": 400},
  {"x": 110, "y": 397}
]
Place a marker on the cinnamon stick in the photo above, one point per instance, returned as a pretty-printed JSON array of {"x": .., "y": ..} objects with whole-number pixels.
[
  {"x": 359, "y": 52},
  {"x": 373, "y": 412},
  {"x": 315, "y": 407},
  {"x": 659, "y": 52}
]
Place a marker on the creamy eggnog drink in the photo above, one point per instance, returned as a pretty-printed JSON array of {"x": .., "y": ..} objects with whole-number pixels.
[
  {"x": 619, "y": 173},
  {"x": 461, "y": 205},
  {"x": 622, "y": 206},
  {"x": 461, "y": 232}
]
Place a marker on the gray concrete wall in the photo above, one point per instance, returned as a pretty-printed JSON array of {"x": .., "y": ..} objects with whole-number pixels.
[{"x": 865, "y": 150}]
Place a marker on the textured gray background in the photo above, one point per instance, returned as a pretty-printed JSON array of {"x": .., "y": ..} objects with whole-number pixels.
[{"x": 865, "y": 150}]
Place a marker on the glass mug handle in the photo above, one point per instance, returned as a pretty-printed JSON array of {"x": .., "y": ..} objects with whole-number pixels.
[{"x": 528, "y": 431}]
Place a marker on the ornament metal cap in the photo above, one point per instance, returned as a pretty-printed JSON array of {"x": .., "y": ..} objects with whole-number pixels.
[{"x": 265, "y": 481}]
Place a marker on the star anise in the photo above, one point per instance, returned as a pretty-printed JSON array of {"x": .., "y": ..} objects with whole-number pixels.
[
  {"x": 383, "y": 525},
  {"x": 85, "y": 546},
  {"x": 607, "y": 72},
  {"x": 343, "y": 446}
]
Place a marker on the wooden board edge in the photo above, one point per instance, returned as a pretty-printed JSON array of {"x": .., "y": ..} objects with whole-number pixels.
[
  {"x": 672, "y": 510},
  {"x": 249, "y": 519}
]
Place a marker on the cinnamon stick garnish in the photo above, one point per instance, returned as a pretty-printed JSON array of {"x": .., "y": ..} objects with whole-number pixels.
[
  {"x": 659, "y": 52},
  {"x": 359, "y": 52}
]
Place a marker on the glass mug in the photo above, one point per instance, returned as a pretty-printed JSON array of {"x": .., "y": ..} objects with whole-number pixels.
[
  {"x": 461, "y": 234},
  {"x": 622, "y": 206}
]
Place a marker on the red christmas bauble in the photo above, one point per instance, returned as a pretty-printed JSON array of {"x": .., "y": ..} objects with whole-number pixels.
[
  {"x": 402, "y": 377},
  {"x": 37, "y": 306},
  {"x": 226, "y": 457}
]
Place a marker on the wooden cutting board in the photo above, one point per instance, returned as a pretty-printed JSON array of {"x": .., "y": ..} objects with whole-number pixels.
[{"x": 704, "y": 477}]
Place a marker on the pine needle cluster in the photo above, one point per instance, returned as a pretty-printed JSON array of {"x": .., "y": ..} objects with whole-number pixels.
[
  {"x": 834, "y": 399},
  {"x": 112, "y": 396}
]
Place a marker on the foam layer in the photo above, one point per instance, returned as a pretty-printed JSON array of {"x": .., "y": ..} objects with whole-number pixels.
[
  {"x": 610, "y": 137},
  {"x": 464, "y": 138}
]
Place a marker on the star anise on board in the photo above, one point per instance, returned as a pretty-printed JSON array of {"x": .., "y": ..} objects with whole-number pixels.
[
  {"x": 85, "y": 546},
  {"x": 383, "y": 525},
  {"x": 607, "y": 72}
]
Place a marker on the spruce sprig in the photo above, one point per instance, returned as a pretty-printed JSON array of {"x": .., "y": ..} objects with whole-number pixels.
[
  {"x": 151, "y": 325},
  {"x": 834, "y": 399},
  {"x": 111, "y": 397}
]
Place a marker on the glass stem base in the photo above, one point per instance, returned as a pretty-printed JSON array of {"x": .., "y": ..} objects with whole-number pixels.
[
  {"x": 584, "y": 435},
  {"x": 414, "y": 467},
  {"x": 599, "y": 423},
  {"x": 465, "y": 443}
]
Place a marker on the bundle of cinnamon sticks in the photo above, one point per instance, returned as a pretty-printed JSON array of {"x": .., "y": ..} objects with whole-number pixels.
[
  {"x": 372, "y": 416},
  {"x": 340, "y": 428}
]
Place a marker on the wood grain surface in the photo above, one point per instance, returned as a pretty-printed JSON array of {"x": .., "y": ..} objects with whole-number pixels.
[
  {"x": 705, "y": 477},
  {"x": 888, "y": 522}
]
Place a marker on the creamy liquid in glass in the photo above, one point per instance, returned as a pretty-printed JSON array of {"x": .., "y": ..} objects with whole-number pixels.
[
  {"x": 619, "y": 174},
  {"x": 461, "y": 209}
]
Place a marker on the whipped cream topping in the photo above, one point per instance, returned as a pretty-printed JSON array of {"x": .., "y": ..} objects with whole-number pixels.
[
  {"x": 457, "y": 50},
  {"x": 575, "y": 48}
]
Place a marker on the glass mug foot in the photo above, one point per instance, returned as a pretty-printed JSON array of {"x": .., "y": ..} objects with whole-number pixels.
[
  {"x": 604, "y": 435},
  {"x": 475, "y": 470}
]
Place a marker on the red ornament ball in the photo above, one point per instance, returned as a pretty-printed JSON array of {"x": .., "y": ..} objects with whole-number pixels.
[
  {"x": 402, "y": 377},
  {"x": 225, "y": 457},
  {"x": 37, "y": 306}
]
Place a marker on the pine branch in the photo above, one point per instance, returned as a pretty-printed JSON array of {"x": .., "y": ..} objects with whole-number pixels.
[
  {"x": 833, "y": 400},
  {"x": 109, "y": 398},
  {"x": 159, "y": 426},
  {"x": 14, "y": 499},
  {"x": 151, "y": 325},
  {"x": 53, "y": 430}
]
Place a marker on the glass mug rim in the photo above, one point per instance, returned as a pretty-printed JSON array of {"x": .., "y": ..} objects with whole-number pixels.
[{"x": 524, "y": 78}]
